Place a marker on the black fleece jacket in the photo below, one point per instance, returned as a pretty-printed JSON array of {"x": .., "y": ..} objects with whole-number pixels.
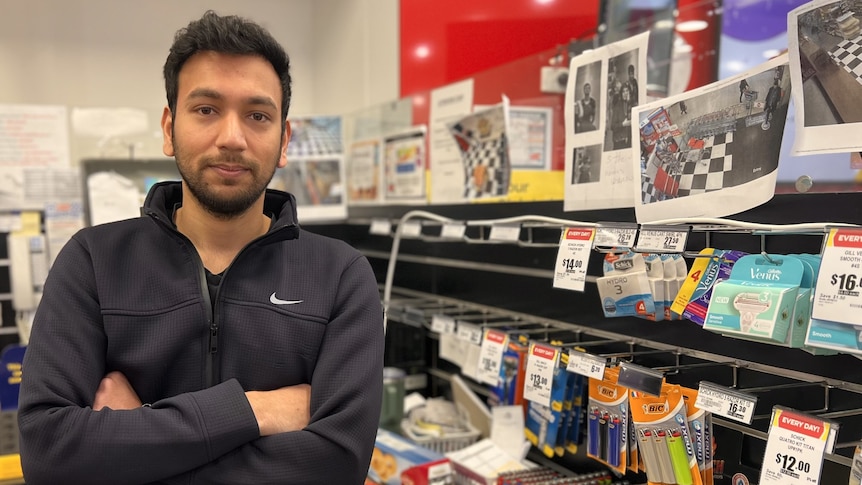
[{"x": 131, "y": 296}]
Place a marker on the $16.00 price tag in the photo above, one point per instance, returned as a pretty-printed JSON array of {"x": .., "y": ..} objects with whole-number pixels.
[
  {"x": 726, "y": 402},
  {"x": 491, "y": 356},
  {"x": 795, "y": 448},
  {"x": 586, "y": 364},
  {"x": 838, "y": 292},
  {"x": 541, "y": 362},
  {"x": 572, "y": 258}
]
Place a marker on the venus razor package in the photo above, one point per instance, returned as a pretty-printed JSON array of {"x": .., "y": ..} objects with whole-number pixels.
[{"x": 759, "y": 298}]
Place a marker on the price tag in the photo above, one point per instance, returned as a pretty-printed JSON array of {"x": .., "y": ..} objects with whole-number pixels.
[
  {"x": 440, "y": 473},
  {"x": 839, "y": 281},
  {"x": 453, "y": 230},
  {"x": 491, "y": 356},
  {"x": 571, "y": 269},
  {"x": 615, "y": 236},
  {"x": 442, "y": 324},
  {"x": 380, "y": 227},
  {"x": 411, "y": 229},
  {"x": 658, "y": 239},
  {"x": 795, "y": 448},
  {"x": 541, "y": 362},
  {"x": 470, "y": 332},
  {"x": 726, "y": 402},
  {"x": 505, "y": 232},
  {"x": 586, "y": 364}
]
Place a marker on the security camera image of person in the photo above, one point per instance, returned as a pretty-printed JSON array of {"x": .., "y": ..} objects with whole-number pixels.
[{"x": 585, "y": 111}]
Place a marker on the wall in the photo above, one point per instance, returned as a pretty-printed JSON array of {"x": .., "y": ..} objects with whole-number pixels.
[{"x": 109, "y": 53}]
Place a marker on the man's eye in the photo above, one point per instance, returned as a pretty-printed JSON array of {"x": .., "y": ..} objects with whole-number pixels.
[
  {"x": 206, "y": 110},
  {"x": 258, "y": 117}
]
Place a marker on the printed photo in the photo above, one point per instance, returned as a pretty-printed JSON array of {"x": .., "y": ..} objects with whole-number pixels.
[
  {"x": 622, "y": 96},
  {"x": 587, "y": 108},
  {"x": 587, "y": 164},
  {"x": 712, "y": 142}
]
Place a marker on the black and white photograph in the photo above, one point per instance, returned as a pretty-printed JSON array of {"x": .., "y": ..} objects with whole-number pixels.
[
  {"x": 587, "y": 107},
  {"x": 587, "y": 164},
  {"x": 622, "y": 96},
  {"x": 826, "y": 39},
  {"x": 604, "y": 179},
  {"x": 712, "y": 142}
]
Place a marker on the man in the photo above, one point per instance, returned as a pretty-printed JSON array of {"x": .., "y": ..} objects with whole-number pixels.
[
  {"x": 210, "y": 340},
  {"x": 773, "y": 96},
  {"x": 585, "y": 112},
  {"x": 632, "y": 88}
]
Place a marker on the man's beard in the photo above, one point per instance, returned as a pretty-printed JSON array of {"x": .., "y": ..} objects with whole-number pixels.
[{"x": 218, "y": 204}]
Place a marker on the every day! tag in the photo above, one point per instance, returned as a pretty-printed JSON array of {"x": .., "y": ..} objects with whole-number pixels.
[
  {"x": 795, "y": 448},
  {"x": 570, "y": 271}
]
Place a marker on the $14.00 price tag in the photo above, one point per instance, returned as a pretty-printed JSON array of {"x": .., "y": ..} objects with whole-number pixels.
[
  {"x": 723, "y": 401},
  {"x": 839, "y": 282},
  {"x": 541, "y": 362},
  {"x": 572, "y": 258},
  {"x": 795, "y": 448},
  {"x": 662, "y": 239},
  {"x": 491, "y": 356},
  {"x": 586, "y": 364}
]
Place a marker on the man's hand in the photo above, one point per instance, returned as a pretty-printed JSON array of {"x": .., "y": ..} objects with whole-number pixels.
[
  {"x": 281, "y": 410},
  {"x": 115, "y": 393}
]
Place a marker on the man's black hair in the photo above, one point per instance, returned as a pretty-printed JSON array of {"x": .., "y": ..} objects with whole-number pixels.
[{"x": 228, "y": 34}]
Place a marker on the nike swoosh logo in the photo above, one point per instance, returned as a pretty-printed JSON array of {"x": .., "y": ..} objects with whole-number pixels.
[{"x": 278, "y": 301}]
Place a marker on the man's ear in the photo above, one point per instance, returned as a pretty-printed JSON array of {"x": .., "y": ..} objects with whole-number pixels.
[
  {"x": 167, "y": 132},
  {"x": 285, "y": 139}
]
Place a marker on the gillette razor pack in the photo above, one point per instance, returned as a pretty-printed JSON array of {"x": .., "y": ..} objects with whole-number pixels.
[{"x": 760, "y": 297}]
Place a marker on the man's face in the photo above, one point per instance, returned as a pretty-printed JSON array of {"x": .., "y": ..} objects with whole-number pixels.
[
  {"x": 586, "y": 90},
  {"x": 226, "y": 133}
]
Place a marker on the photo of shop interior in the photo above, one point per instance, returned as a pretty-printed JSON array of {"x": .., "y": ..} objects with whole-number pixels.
[
  {"x": 713, "y": 141},
  {"x": 830, "y": 54}
]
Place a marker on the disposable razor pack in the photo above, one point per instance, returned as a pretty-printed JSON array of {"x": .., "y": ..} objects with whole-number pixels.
[
  {"x": 624, "y": 289},
  {"x": 759, "y": 298}
]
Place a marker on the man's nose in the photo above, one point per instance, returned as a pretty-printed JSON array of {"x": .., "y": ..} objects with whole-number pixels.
[{"x": 231, "y": 135}]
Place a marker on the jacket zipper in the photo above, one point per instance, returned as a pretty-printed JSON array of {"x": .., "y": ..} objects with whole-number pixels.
[{"x": 211, "y": 367}]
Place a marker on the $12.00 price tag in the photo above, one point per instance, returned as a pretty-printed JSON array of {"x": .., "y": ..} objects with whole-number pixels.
[
  {"x": 541, "y": 362},
  {"x": 795, "y": 448},
  {"x": 491, "y": 356},
  {"x": 571, "y": 269},
  {"x": 839, "y": 281}
]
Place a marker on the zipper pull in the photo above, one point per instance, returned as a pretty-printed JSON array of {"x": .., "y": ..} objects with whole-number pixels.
[{"x": 213, "y": 339}]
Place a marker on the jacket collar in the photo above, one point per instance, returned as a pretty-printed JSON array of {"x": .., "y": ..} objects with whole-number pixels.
[{"x": 163, "y": 197}]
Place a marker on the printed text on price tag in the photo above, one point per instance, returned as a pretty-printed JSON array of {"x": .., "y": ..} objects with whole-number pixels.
[
  {"x": 838, "y": 291},
  {"x": 662, "y": 240},
  {"x": 722, "y": 401},
  {"x": 586, "y": 364},
  {"x": 795, "y": 448},
  {"x": 541, "y": 362},
  {"x": 491, "y": 356},
  {"x": 615, "y": 236},
  {"x": 470, "y": 332},
  {"x": 573, "y": 255}
]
